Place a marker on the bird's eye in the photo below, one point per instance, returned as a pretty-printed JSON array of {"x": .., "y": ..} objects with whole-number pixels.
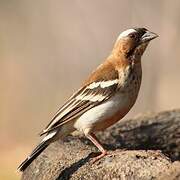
[{"x": 132, "y": 35}]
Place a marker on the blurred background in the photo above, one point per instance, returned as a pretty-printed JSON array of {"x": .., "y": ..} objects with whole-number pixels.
[{"x": 47, "y": 48}]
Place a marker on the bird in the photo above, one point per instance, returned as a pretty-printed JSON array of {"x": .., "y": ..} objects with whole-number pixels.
[{"x": 104, "y": 98}]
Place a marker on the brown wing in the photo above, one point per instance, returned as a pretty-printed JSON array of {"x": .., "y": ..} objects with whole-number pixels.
[{"x": 95, "y": 91}]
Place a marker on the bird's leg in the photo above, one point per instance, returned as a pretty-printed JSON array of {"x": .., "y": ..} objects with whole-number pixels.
[{"x": 97, "y": 143}]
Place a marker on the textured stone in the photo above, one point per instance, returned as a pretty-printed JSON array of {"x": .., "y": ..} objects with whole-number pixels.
[{"x": 146, "y": 147}]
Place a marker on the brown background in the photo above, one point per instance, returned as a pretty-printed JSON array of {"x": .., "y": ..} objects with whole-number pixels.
[{"x": 48, "y": 47}]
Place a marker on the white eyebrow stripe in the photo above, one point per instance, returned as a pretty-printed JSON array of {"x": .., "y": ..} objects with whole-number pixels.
[
  {"x": 103, "y": 84},
  {"x": 126, "y": 33}
]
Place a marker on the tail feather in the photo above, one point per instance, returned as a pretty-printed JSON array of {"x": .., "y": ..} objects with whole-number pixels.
[{"x": 37, "y": 151}]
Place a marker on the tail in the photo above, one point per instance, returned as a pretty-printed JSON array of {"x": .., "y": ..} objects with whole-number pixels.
[{"x": 37, "y": 151}]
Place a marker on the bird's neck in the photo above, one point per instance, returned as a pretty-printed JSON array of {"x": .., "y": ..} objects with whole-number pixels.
[
  {"x": 122, "y": 52},
  {"x": 126, "y": 68},
  {"x": 120, "y": 60}
]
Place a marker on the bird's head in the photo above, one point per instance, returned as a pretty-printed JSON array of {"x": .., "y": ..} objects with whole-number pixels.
[{"x": 133, "y": 42}]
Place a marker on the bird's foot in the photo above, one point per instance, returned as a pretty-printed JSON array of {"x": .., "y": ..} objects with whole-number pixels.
[{"x": 104, "y": 153}]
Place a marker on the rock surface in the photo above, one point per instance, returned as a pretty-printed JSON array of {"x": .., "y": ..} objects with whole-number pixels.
[{"x": 146, "y": 147}]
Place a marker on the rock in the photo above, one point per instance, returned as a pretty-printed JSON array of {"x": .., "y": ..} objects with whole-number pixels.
[{"x": 146, "y": 147}]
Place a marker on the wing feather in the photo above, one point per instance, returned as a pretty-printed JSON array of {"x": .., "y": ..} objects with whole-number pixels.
[
  {"x": 80, "y": 102},
  {"x": 99, "y": 87}
]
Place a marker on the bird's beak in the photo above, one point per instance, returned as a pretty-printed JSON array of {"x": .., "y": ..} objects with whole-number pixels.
[{"x": 148, "y": 36}]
